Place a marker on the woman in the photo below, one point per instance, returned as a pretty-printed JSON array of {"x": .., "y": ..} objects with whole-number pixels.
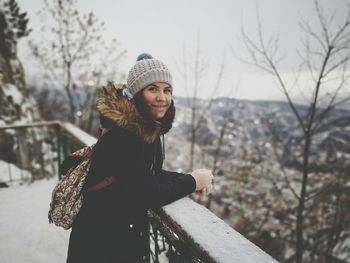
[{"x": 112, "y": 223}]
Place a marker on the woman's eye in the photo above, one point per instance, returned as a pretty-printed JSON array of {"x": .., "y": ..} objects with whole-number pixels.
[
  {"x": 167, "y": 91},
  {"x": 152, "y": 89}
]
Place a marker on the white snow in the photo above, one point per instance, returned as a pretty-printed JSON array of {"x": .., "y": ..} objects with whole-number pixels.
[
  {"x": 12, "y": 90},
  {"x": 219, "y": 240},
  {"x": 26, "y": 235},
  {"x": 79, "y": 134},
  {"x": 11, "y": 174}
]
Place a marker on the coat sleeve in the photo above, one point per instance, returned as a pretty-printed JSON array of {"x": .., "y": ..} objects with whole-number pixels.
[
  {"x": 168, "y": 175},
  {"x": 138, "y": 185}
]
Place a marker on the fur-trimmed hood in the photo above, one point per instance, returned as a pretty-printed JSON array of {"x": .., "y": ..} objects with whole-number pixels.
[{"x": 123, "y": 113}]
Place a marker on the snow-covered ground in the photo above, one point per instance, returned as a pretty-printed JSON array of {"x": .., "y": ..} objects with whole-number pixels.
[
  {"x": 26, "y": 235},
  {"x": 11, "y": 174}
]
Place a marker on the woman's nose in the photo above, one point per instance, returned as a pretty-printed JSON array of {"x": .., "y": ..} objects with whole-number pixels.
[{"x": 161, "y": 96}]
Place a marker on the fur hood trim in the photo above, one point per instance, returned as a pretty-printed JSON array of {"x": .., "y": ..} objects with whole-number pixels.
[{"x": 123, "y": 113}]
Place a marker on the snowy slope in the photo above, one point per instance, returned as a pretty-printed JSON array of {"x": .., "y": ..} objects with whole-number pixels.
[{"x": 26, "y": 235}]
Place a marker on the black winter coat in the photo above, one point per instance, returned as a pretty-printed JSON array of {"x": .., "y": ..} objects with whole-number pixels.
[{"x": 112, "y": 223}]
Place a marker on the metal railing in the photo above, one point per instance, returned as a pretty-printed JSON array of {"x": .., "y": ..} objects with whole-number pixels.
[
  {"x": 39, "y": 148},
  {"x": 31, "y": 149},
  {"x": 183, "y": 231}
]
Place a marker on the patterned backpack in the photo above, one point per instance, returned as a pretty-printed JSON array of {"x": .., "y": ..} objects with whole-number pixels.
[{"x": 67, "y": 196}]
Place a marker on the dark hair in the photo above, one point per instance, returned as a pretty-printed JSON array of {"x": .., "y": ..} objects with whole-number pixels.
[{"x": 142, "y": 107}]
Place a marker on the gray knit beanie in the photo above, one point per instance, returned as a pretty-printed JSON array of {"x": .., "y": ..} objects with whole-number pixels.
[{"x": 146, "y": 71}]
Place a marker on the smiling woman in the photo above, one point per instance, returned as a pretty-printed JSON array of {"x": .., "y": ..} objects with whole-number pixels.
[{"x": 112, "y": 224}]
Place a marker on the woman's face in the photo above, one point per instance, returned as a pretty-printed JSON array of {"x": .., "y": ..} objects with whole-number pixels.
[{"x": 157, "y": 97}]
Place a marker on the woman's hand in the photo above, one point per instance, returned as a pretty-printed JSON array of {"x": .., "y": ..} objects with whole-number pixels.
[
  {"x": 203, "y": 178},
  {"x": 205, "y": 190}
]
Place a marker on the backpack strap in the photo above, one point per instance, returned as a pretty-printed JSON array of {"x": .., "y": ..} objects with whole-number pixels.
[
  {"x": 104, "y": 183},
  {"x": 108, "y": 180}
]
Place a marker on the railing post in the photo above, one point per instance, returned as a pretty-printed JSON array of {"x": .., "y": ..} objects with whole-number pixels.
[
  {"x": 71, "y": 147},
  {"x": 147, "y": 236},
  {"x": 19, "y": 162},
  {"x": 64, "y": 145},
  {"x": 156, "y": 246},
  {"x": 41, "y": 159},
  {"x": 59, "y": 149},
  {"x": 10, "y": 173}
]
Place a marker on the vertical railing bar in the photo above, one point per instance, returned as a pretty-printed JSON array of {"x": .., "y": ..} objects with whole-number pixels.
[
  {"x": 152, "y": 236},
  {"x": 148, "y": 238},
  {"x": 59, "y": 149},
  {"x": 9, "y": 169},
  {"x": 53, "y": 158},
  {"x": 70, "y": 147},
  {"x": 41, "y": 159},
  {"x": 28, "y": 152},
  {"x": 156, "y": 247},
  {"x": 19, "y": 163},
  {"x": 163, "y": 241},
  {"x": 64, "y": 144}
]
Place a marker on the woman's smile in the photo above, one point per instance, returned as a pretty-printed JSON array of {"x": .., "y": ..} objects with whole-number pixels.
[{"x": 159, "y": 107}]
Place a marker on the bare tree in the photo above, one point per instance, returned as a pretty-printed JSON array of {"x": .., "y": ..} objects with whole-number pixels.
[
  {"x": 74, "y": 43},
  {"x": 193, "y": 74},
  {"x": 95, "y": 75},
  {"x": 325, "y": 58},
  {"x": 227, "y": 105}
]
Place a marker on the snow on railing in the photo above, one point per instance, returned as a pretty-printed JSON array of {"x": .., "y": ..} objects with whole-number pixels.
[
  {"x": 77, "y": 134},
  {"x": 71, "y": 130},
  {"x": 209, "y": 235}
]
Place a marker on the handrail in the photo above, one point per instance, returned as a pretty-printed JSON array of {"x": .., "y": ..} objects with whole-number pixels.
[
  {"x": 211, "y": 239},
  {"x": 29, "y": 125},
  {"x": 77, "y": 134},
  {"x": 210, "y": 235},
  {"x": 74, "y": 132}
]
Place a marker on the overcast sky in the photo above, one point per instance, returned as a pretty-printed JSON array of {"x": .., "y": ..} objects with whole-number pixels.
[{"x": 163, "y": 27}]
